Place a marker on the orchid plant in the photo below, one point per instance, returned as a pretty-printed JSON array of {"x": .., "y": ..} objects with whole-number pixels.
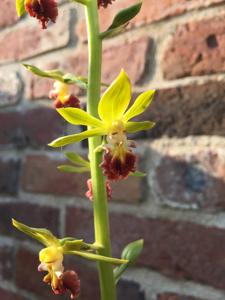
[{"x": 111, "y": 153}]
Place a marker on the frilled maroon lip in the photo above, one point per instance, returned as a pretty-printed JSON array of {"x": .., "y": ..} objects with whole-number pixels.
[
  {"x": 44, "y": 10},
  {"x": 73, "y": 101},
  {"x": 114, "y": 168}
]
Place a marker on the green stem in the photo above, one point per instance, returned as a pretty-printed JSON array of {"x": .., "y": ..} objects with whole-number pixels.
[{"x": 101, "y": 215}]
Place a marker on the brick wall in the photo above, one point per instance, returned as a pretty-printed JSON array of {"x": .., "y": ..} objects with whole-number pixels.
[{"x": 177, "y": 47}]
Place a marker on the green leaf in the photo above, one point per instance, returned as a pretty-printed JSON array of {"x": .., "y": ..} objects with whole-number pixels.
[
  {"x": 121, "y": 20},
  {"x": 75, "y": 138},
  {"x": 42, "y": 235},
  {"x": 20, "y": 7},
  {"x": 130, "y": 253},
  {"x": 125, "y": 15},
  {"x": 138, "y": 174},
  {"x": 77, "y": 159},
  {"x": 97, "y": 257},
  {"x": 77, "y": 116},
  {"x": 113, "y": 32},
  {"x": 72, "y": 169},
  {"x": 132, "y": 127}
]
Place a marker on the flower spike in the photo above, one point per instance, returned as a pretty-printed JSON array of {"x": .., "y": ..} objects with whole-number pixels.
[{"x": 114, "y": 122}]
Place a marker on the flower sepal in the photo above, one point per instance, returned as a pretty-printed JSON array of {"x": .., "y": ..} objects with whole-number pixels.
[
  {"x": 20, "y": 8},
  {"x": 58, "y": 75},
  {"x": 42, "y": 235}
]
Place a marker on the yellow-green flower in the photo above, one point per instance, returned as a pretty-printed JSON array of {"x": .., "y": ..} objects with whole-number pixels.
[
  {"x": 52, "y": 255},
  {"x": 51, "y": 261},
  {"x": 114, "y": 122}
]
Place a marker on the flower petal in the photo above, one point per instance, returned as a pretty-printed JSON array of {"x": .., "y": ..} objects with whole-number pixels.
[
  {"x": 78, "y": 116},
  {"x": 132, "y": 127},
  {"x": 140, "y": 105},
  {"x": 116, "y": 99},
  {"x": 74, "y": 138}
]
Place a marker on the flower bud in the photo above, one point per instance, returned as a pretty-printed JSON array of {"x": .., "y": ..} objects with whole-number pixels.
[{"x": 89, "y": 193}]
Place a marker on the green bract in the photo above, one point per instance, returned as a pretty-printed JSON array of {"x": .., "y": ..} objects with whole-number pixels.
[{"x": 112, "y": 110}]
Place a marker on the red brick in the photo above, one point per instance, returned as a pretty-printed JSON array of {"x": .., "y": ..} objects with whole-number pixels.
[
  {"x": 40, "y": 175},
  {"x": 188, "y": 173},
  {"x": 33, "y": 215},
  {"x": 8, "y": 13},
  {"x": 197, "y": 109},
  {"x": 177, "y": 249},
  {"x": 134, "y": 62},
  {"x": 6, "y": 261},
  {"x": 10, "y": 87},
  {"x": 137, "y": 51},
  {"x": 30, "y": 40},
  {"x": 7, "y": 295},
  {"x": 184, "y": 57},
  {"x": 9, "y": 176},
  {"x": 172, "y": 296},
  {"x": 30, "y": 127}
]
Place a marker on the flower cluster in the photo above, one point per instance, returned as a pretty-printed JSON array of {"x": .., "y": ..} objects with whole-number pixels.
[
  {"x": 43, "y": 10},
  {"x": 118, "y": 158},
  {"x": 62, "y": 96}
]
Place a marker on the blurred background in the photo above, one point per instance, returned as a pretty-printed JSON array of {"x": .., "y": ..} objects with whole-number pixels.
[{"x": 174, "y": 46}]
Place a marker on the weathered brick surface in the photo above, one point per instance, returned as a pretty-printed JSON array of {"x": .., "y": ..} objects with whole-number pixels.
[
  {"x": 172, "y": 296},
  {"x": 188, "y": 174},
  {"x": 6, "y": 262},
  {"x": 34, "y": 127},
  {"x": 136, "y": 51},
  {"x": 33, "y": 215},
  {"x": 160, "y": 9},
  {"x": 9, "y": 176},
  {"x": 185, "y": 57},
  {"x": 7, "y": 295},
  {"x": 175, "y": 248},
  {"x": 31, "y": 40},
  {"x": 10, "y": 88},
  {"x": 8, "y": 13},
  {"x": 197, "y": 109},
  {"x": 40, "y": 175}
]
